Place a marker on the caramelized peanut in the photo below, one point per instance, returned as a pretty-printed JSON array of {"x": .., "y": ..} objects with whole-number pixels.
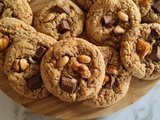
[
  {"x": 111, "y": 69},
  {"x": 84, "y": 59},
  {"x": 143, "y": 48},
  {"x": 4, "y": 42},
  {"x": 106, "y": 79}
]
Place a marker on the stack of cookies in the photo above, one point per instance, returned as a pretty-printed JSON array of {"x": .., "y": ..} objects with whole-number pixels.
[{"x": 79, "y": 51}]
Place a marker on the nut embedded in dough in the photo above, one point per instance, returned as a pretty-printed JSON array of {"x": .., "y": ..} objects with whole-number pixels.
[
  {"x": 24, "y": 64},
  {"x": 62, "y": 61},
  {"x": 84, "y": 59},
  {"x": 49, "y": 17},
  {"x": 122, "y": 16},
  {"x": 4, "y": 42}
]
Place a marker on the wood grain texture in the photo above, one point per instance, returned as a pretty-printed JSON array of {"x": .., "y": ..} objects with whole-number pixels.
[{"x": 53, "y": 107}]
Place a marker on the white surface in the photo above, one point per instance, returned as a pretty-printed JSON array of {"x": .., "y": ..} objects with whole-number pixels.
[{"x": 147, "y": 108}]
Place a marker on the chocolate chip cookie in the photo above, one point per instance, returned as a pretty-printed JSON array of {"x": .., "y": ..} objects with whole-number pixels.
[
  {"x": 60, "y": 19},
  {"x": 11, "y": 31},
  {"x": 19, "y": 9},
  {"x": 86, "y": 4},
  {"x": 22, "y": 65},
  {"x": 108, "y": 20},
  {"x": 143, "y": 5},
  {"x": 115, "y": 84},
  {"x": 73, "y": 69},
  {"x": 140, "y": 51},
  {"x": 153, "y": 15}
]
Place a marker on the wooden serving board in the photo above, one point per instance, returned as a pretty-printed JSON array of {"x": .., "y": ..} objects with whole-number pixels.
[{"x": 53, "y": 107}]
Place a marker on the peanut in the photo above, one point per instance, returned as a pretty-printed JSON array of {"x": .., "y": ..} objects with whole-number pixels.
[
  {"x": 111, "y": 69},
  {"x": 143, "y": 48},
  {"x": 4, "y": 42},
  {"x": 106, "y": 79},
  {"x": 122, "y": 16},
  {"x": 62, "y": 61},
  {"x": 118, "y": 30},
  {"x": 84, "y": 59},
  {"x": 84, "y": 71},
  {"x": 16, "y": 65},
  {"x": 24, "y": 64},
  {"x": 49, "y": 17}
]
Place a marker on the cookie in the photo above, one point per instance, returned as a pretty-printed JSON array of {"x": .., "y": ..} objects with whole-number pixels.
[
  {"x": 143, "y": 5},
  {"x": 73, "y": 69},
  {"x": 140, "y": 50},
  {"x": 115, "y": 84},
  {"x": 108, "y": 20},
  {"x": 22, "y": 65},
  {"x": 60, "y": 19},
  {"x": 19, "y": 9},
  {"x": 153, "y": 15},
  {"x": 86, "y": 4},
  {"x": 11, "y": 31}
]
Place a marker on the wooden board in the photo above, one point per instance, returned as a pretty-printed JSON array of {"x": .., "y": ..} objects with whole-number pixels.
[{"x": 53, "y": 107}]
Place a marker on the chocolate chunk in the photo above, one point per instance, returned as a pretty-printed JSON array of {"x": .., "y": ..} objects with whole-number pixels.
[
  {"x": 155, "y": 34},
  {"x": 156, "y": 7},
  {"x": 63, "y": 9},
  {"x": 107, "y": 20},
  {"x": 68, "y": 84},
  {"x": 111, "y": 82},
  {"x": 34, "y": 82},
  {"x": 64, "y": 26},
  {"x": 1, "y": 7},
  {"x": 39, "y": 53},
  {"x": 155, "y": 54}
]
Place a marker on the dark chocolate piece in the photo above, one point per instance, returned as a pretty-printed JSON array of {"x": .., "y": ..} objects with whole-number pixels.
[
  {"x": 63, "y": 9},
  {"x": 39, "y": 53},
  {"x": 155, "y": 54},
  {"x": 156, "y": 6},
  {"x": 107, "y": 20},
  {"x": 34, "y": 82},
  {"x": 155, "y": 34},
  {"x": 64, "y": 27},
  {"x": 68, "y": 84},
  {"x": 1, "y": 7}
]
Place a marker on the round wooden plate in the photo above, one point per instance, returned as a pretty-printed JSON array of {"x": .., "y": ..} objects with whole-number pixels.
[{"x": 53, "y": 107}]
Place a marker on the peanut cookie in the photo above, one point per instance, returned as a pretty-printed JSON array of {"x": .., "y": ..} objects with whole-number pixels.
[
  {"x": 153, "y": 15},
  {"x": 108, "y": 20},
  {"x": 115, "y": 84},
  {"x": 143, "y": 5},
  {"x": 19, "y": 9},
  {"x": 140, "y": 51},
  {"x": 60, "y": 19},
  {"x": 11, "y": 31},
  {"x": 22, "y": 65},
  {"x": 73, "y": 69},
  {"x": 86, "y": 4}
]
